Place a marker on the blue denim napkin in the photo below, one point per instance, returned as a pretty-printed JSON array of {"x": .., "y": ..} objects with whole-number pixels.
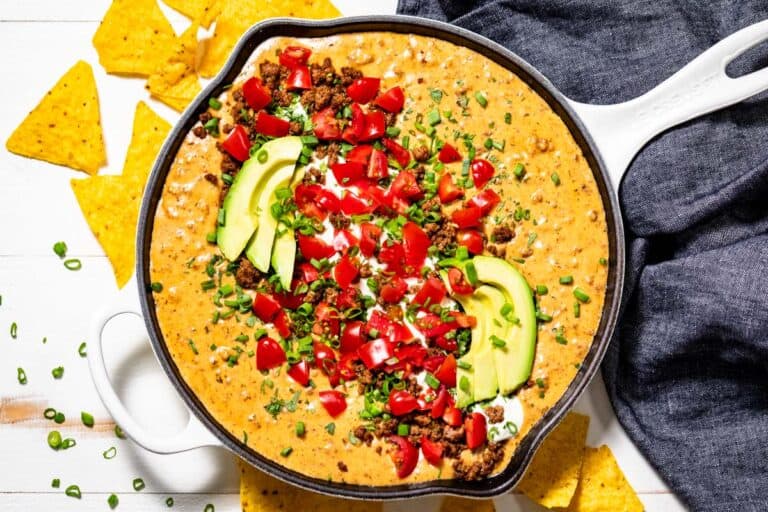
[{"x": 687, "y": 371}]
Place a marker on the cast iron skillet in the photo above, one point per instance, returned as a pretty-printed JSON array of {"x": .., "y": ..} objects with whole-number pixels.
[{"x": 609, "y": 137}]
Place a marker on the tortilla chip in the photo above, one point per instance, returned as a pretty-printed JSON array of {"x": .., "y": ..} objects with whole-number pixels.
[
  {"x": 454, "y": 504},
  {"x": 262, "y": 493},
  {"x": 553, "y": 475},
  {"x": 237, "y": 16},
  {"x": 65, "y": 127},
  {"x": 149, "y": 133},
  {"x": 175, "y": 83},
  {"x": 200, "y": 11},
  {"x": 133, "y": 37},
  {"x": 603, "y": 487}
]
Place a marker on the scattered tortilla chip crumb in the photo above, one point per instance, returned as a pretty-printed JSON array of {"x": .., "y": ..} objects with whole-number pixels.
[
  {"x": 603, "y": 487},
  {"x": 65, "y": 127},
  {"x": 175, "y": 82},
  {"x": 553, "y": 475},
  {"x": 455, "y": 504}
]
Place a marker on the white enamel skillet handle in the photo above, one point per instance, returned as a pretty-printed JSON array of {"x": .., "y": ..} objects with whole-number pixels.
[
  {"x": 702, "y": 86},
  {"x": 194, "y": 435}
]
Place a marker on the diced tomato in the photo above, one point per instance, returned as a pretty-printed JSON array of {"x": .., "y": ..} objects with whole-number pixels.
[
  {"x": 393, "y": 256},
  {"x": 405, "y": 186},
  {"x": 447, "y": 190},
  {"x": 294, "y": 56},
  {"x": 300, "y": 372},
  {"x": 439, "y": 403},
  {"x": 345, "y": 271},
  {"x": 432, "y": 451},
  {"x": 375, "y": 126},
  {"x": 482, "y": 171},
  {"x": 475, "y": 429},
  {"x": 432, "y": 292},
  {"x": 375, "y": 353},
  {"x": 347, "y": 298},
  {"x": 369, "y": 238},
  {"x": 327, "y": 201},
  {"x": 432, "y": 363},
  {"x": 364, "y": 89},
  {"x": 291, "y": 300},
  {"x": 389, "y": 330},
  {"x": 411, "y": 352},
  {"x": 402, "y": 402},
  {"x": 355, "y": 130},
  {"x": 432, "y": 325},
  {"x": 449, "y": 154},
  {"x": 415, "y": 244},
  {"x": 237, "y": 144},
  {"x": 343, "y": 240},
  {"x": 485, "y": 200},
  {"x": 471, "y": 239},
  {"x": 452, "y": 416},
  {"x": 360, "y": 154},
  {"x": 325, "y": 357},
  {"x": 333, "y": 401},
  {"x": 314, "y": 248},
  {"x": 468, "y": 217},
  {"x": 352, "y": 336},
  {"x": 463, "y": 319},
  {"x": 299, "y": 79},
  {"x": 449, "y": 345},
  {"x": 265, "y": 307},
  {"x": 327, "y": 318},
  {"x": 347, "y": 172},
  {"x": 309, "y": 274},
  {"x": 270, "y": 125},
  {"x": 398, "y": 152},
  {"x": 396, "y": 203},
  {"x": 305, "y": 195},
  {"x": 458, "y": 282},
  {"x": 282, "y": 324},
  {"x": 447, "y": 371},
  {"x": 256, "y": 95},
  {"x": 379, "y": 166},
  {"x": 325, "y": 125},
  {"x": 352, "y": 204},
  {"x": 406, "y": 457},
  {"x": 269, "y": 354},
  {"x": 346, "y": 366},
  {"x": 392, "y": 100},
  {"x": 394, "y": 290}
]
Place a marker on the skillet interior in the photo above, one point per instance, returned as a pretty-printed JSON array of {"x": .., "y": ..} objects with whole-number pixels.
[{"x": 505, "y": 480}]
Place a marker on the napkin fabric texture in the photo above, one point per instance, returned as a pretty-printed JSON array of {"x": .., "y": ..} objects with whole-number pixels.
[{"x": 687, "y": 371}]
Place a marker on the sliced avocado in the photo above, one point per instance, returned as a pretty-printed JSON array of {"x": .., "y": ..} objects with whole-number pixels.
[
  {"x": 284, "y": 248},
  {"x": 238, "y": 221},
  {"x": 465, "y": 392},
  {"x": 515, "y": 361},
  {"x": 486, "y": 385}
]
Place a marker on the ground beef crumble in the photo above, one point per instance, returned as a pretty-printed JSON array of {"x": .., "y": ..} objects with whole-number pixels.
[
  {"x": 495, "y": 413},
  {"x": 247, "y": 275},
  {"x": 502, "y": 234},
  {"x": 480, "y": 466}
]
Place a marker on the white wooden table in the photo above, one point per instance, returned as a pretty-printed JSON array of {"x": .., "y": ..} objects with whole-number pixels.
[{"x": 40, "y": 40}]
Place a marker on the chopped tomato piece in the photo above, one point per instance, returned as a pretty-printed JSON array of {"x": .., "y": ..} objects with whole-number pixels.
[
  {"x": 369, "y": 238},
  {"x": 439, "y": 403},
  {"x": 485, "y": 200},
  {"x": 327, "y": 319},
  {"x": 452, "y": 416},
  {"x": 458, "y": 282},
  {"x": 345, "y": 271},
  {"x": 475, "y": 429},
  {"x": 325, "y": 357},
  {"x": 393, "y": 256},
  {"x": 352, "y": 336},
  {"x": 394, "y": 290},
  {"x": 356, "y": 128},
  {"x": 415, "y": 244},
  {"x": 468, "y": 217},
  {"x": 375, "y": 126},
  {"x": 333, "y": 401},
  {"x": 269, "y": 354},
  {"x": 402, "y": 402},
  {"x": 308, "y": 273},
  {"x": 352, "y": 204},
  {"x": 294, "y": 56},
  {"x": 237, "y": 144},
  {"x": 463, "y": 319},
  {"x": 327, "y": 201},
  {"x": 375, "y": 353},
  {"x": 447, "y": 190},
  {"x": 346, "y": 366},
  {"x": 300, "y": 372},
  {"x": 449, "y": 154},
  {"x": 256, "y": 95},
  {"x": 432, "y": 451},
  {"x": 265, "y": 307},
  {"x": 379, "y": 166},
  {"x": 391, "y": 331},
  {"x": 406, "y": 457},
  {"x": 299, "y": 79},
  {"x": 482, "y": 171},
  {"x": 360, "y": 154},
  {"x": 447, "y": 371},
  {"x": 412, "y": 352},
  {"x": 305, "y": 196},
  {"x": 364, "y": 89},
  {"x": 432, "y": 325},
  {"x": 405, "y": 186},
  {"x": 471, "y": 239},
  {"x": 449, "y": 345},
  {"x": 432, "y": 292},
  {"x": 398, "y": 152},
  {"x": 314, "y": 248},
  {"x": 347, "y": 172},
  {"x": 272, "y": 126},
  {"x": 392, "y": 100},
  {"x": 291, "y": 299},
  {"x": 282, "y": 324},
  {"x": 343, "y": 240},
  {"x": 325, "y": 125}
]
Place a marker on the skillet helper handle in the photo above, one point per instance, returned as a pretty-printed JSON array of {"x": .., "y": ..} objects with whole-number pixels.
[
  {"x": 194, "y": 435},
  {"x": 702, "y": 86}
]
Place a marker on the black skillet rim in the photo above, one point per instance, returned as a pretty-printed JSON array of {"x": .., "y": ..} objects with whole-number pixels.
[{"x": 292, "y": 27}]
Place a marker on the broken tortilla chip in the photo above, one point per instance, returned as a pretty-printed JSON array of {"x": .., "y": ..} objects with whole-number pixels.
[
  {"x": 133, "y": 37},
  {"x": 65, "y": 127},
  {"x": 455, "y": 504},
  {"x": 175, "y": 82},
  {"x": 200, "y": 11},
  {"x": 149, "y": 133},
  {"x": 553, "y": 475},
  {"x": 237, "y": 16},
  {"x": 602, "y": 486},
  {"x": 262, "y": 493}
]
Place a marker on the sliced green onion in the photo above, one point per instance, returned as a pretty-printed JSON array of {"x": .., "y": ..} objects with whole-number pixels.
[
  {"x": 433, "y": 117},
  {"x": 498, "y": 342},
  {"x": 55, "y": 483},
  {"x": 73, "y": 491},
  {"x": 138, "y": 484},
  {"x": 508, "y": 118},
  {"x": 68, "y": 443},
  {"x": 87, "y": 419},
  {"x": 113, "y": 501},
  {"x": 481, "y": 99},
  {"x": 431, "y": 381},
  {"x": 54, "y": 439},
  {"x": 285, "y": 452},
  {"x": 576, "y": 309},
  {"x": 14, "y": 330},
  {"x": 603, "y": 261},
  {"x": 471, "y": 273},
  {"x": 541, "y": 289},
  {"x": 392, "y": 131},
  {"x": 169, "y": 502},
  {"x": 59, "y": 418},
  {"x": 110, "y": 453},
  {"x": 157, "y": 287},
  {"x": 464, "y": 384},
  {"x": 21, "y": 375},
  {"x": 403, "y": 429},
  {"x": 212, "y": 126},
  {"x": 81, "y": 350},
  {"x": 519, "y": 171},
  {"x": 119, "y": 432},
  {"x": 209, "y": 508},
  {"x": 330, "y": 428},
  {"x": 301, "y": 429},
  {"x": 60, "y": 248},
  {"x": 211, "y": 237},
  {"x": 214, "y": 103},
  {"x": 463, "y": 364},
  {"x": 262, "y": 156},
  {"x": 580, "y": 295},
  {"x": 73, "y": 264},
  {"x": 566, "y": 280},
  {"x": 543, "y": 317},
  {"x": 58, "y": 372},
  {"x": 555, "y": 179},
  {"x": 49, "y": 413}
]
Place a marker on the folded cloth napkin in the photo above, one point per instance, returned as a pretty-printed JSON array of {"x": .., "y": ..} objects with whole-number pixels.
[{"x": 687, "y": 371}]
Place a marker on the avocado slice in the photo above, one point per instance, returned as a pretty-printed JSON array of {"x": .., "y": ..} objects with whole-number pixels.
[
  {"x": 239, "y": 219},
  {"x": 515, "y": 360},
  {"x": 486, "y": 384},
  {"x": 284, "y": 248},
  {"x": 472, "y": 306}
]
